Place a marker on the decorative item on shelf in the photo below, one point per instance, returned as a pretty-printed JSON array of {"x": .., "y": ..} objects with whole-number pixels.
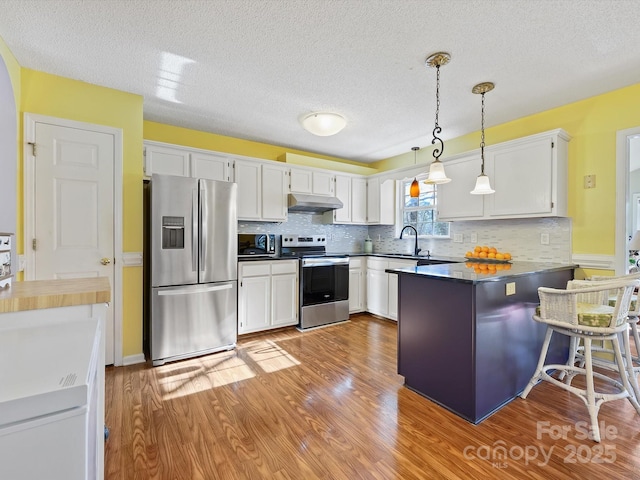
[
  {"x": 414, "y": 190},
  {"x": 483, "y": 186},
  {"x": 324, "y": 124},
  {"x": 437, "y": 174},
  {"x": 634, "y": 248}
]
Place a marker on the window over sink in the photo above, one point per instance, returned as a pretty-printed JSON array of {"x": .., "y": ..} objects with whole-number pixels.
[{"x": 421, "y": 212}]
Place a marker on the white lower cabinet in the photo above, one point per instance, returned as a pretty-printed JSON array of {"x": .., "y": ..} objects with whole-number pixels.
[
  {"x": 267, "y": 295},
  {"x": 357, "y": 281},
  {"x": 382, "y": 287}
]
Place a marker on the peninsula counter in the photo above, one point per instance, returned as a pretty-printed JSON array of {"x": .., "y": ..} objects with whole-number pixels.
[{"x": 467, "y": 340}]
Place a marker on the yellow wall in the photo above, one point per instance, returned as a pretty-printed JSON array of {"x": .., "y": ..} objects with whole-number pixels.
[
  {"x": 60, "y": 97},
  {"x": 592, "y": 124},
  {"x": 160, "y": 132}
]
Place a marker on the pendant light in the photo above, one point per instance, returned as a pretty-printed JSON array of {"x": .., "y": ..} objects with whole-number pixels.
[
  {"x": 436, "y": 169},
  {"x": 483, "y": 187},
  {"x": 414, "y": 190}
]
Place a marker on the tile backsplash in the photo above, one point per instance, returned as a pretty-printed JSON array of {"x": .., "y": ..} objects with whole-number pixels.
[{"x": 520, "y": 237}]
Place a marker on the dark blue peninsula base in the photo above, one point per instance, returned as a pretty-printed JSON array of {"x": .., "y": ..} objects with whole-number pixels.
[{"x": 463, "y": 342}]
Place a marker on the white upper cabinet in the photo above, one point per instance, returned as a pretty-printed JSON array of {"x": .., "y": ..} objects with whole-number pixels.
[
  {"x": 301, "y": 181},
  {"x": 323, "y": 183},
  {"x": 184, "y": 162},
  {"x": 166, "y": 161},
  {"x": 388, "y": 202},
  {"x": 274, "y": 192},
  {"x": 373, "y": 201},
  {"x": 454, "y": 198},
  {"x": 317, "y": 182},
  {"x": 381, "y": 201},
  {"x": 359, "y": 201},
  {"x": 262, "y": 190},
  {"x": 248, "y": 176},
  {"x": 343, "y": 193},
  {"x": 529, "y": 176},
  {"x": 211, "y": 167}
]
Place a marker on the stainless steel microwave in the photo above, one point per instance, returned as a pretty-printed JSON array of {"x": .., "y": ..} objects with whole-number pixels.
[{"x": 256, "y": 244}]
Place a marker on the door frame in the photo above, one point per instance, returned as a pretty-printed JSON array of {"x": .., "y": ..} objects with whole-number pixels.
[
  {"x": 622, "y": 197},
  {"x": 30, "y": 120}
]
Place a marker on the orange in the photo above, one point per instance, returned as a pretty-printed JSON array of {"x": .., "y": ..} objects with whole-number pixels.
[
  {"x": 468, "y": 254},
  {"x": 507, "y": 256},
  {"x": 477, "y": 248},
  {"x": 499, "y": 256},
  {"x": 493, "y": 250},
  {"x": 482, "y": 255},
  {"x": 491, "y": 255},
  {"x": 485, "y": 249}
]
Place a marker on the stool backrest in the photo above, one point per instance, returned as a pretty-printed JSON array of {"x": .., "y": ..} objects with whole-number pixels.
[{"x": 634, "y": 310}]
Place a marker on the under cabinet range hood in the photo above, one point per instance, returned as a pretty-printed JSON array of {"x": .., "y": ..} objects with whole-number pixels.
[{"x": 305, "y": 203}]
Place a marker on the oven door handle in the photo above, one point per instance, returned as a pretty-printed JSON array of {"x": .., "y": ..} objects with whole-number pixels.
[{"x": 325, "y": 262}]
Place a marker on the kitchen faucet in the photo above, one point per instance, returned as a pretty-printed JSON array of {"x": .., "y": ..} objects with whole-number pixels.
[{"x": 415, "y": 248}]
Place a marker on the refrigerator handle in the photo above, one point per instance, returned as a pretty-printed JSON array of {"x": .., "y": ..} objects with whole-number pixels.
[
  {"x": 194, "y": 229},
  {"x": 202, "y": 254}
]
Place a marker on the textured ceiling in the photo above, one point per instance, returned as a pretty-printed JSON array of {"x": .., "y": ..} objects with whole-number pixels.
[{"x": 252, "y": 68}]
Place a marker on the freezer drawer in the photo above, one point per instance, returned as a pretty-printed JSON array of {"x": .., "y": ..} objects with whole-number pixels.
[{"x": 193, "y": 320}]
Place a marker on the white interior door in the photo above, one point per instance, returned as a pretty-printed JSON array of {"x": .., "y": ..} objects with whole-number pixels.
[{"x": 73, "y": 223}]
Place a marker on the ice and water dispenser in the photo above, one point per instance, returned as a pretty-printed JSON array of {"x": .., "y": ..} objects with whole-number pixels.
[{"x": 173, "y": 232}]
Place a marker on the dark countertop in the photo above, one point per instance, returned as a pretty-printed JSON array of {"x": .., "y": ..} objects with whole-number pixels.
[
  {"x": 403, "y": 256},
  {"x": 466, "y": 273}
]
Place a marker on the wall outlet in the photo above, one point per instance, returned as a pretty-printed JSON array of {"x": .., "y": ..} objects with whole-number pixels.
[
  {"x": 511, "y": 288},
  {"x": 589, "y": 181},
  {"x": 474, "y": 238},
  {"x": 457, "y": 238},
  {"x": 544, "y": 239}
]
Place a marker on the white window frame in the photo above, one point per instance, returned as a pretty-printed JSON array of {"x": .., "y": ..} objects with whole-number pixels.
[{"x": 400, "y": 188}]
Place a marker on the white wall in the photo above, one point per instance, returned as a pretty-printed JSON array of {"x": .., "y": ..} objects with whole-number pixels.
[{"x": 8, "y": 155}]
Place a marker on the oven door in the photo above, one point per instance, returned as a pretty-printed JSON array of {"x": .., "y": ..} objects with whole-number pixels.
[{"x": 324, "y": 280}]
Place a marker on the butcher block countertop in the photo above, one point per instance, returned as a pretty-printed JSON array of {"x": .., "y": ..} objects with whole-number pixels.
[{"x": 37, "y": 294}]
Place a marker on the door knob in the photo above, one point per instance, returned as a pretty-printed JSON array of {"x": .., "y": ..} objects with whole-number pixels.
[{"x": 105, "y": 261}]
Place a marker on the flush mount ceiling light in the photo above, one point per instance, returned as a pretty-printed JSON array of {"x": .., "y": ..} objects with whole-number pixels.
[
  {"x": 414, "y": 190},
  {"x": 324, "y": 124},
  {"x": 483, "y": 187},
  {"x": 436, "y": 169}
]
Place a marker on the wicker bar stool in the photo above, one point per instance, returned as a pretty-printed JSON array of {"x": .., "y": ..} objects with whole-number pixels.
[
  {"x": 580, "y": 314},
  {"x": 634, "y": 314}
]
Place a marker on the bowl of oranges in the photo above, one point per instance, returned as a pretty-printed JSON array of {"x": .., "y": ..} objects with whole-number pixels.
[{"x": 487, "y": 254}]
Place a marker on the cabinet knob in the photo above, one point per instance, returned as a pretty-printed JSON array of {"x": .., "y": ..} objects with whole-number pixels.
[{"x": 105, "y": 261}]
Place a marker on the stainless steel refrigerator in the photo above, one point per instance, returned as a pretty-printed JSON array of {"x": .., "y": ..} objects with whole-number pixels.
[{"x": 193, "y": 242}]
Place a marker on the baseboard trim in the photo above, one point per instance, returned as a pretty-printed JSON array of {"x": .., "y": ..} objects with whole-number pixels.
[{"x": 133, "y": 359}]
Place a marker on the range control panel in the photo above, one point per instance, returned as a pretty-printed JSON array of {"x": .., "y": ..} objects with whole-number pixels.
[{"x": 292, "y": 240}]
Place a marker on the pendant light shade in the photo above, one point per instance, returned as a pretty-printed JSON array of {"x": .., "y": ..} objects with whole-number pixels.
[
  {"x": 436, "y": 170},
  {"x": 483, "y": 186},
  {"x": 414, "y": 190}
]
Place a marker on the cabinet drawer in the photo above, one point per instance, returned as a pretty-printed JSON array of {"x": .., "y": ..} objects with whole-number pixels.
[
  {"x": 355, "y": 262},
  {"x": 283, "y": 266},
  {"x": 255, "y": 269},
  {"x": 377, "y": 264}
]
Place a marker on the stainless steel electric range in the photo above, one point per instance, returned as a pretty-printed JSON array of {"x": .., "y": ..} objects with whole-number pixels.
[{"x": 323, "y": 281}]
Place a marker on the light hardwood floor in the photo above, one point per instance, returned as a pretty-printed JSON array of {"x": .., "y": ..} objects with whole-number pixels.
[{"x": 328, "y": 404}]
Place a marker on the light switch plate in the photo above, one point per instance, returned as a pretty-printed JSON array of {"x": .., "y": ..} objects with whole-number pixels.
[
  {"x": 474, "y": 238},
  {"x": 457, "y": 238},
  {"x": 511, "y": 288},
  {"x": 544, "y": 239}
]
